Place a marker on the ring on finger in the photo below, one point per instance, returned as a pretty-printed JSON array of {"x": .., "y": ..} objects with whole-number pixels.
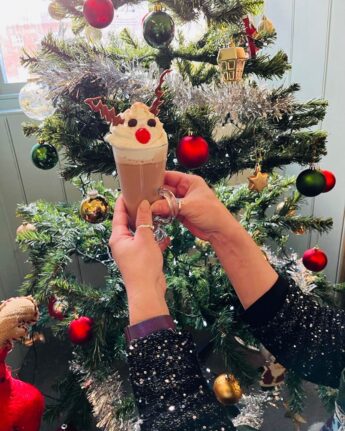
[{"x": 150, "y": 226}]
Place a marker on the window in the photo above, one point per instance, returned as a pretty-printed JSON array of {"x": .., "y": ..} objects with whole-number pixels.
[{"x": 26, "y": 22}]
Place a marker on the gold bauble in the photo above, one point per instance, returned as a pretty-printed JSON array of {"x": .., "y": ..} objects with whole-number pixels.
[
  {"x": 56, "y": 11},
  {"x": 94, "y": 209},
  {"x": 25, "y": 227},
  {"x": 266, "y": 27},
  {"x": 227, "y": 389}
]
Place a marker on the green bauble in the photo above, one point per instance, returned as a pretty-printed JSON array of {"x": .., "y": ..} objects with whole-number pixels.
[
  {"x": 310, "y": 182},
  {"x": 159, "y": 29},
  {"x": 44, "y": 156}
]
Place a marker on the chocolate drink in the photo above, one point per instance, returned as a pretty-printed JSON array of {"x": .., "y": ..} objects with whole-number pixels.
[
  {"x": 140, "y": 147},
  {"x": 140, "y": 180}
]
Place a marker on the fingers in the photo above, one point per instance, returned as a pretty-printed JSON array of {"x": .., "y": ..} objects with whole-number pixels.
[
  {"x": 163, "y": 245},
  {"x": 144, "y": 217},
  {"x": 179, "y": 182},
  {"x": 120, "y": 219}
]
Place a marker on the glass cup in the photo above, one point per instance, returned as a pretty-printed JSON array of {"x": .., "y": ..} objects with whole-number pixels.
[{"x": 141, "y": 174}]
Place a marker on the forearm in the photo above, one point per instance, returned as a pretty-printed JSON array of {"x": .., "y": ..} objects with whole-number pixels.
[
  {"x": 168, "y": 385},
  {"x": 301, "y": 334},
  {"x": 247, "y": 269}
]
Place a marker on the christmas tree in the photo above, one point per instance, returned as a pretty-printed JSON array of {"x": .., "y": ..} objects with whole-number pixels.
[{"x": 241, "y": 124}]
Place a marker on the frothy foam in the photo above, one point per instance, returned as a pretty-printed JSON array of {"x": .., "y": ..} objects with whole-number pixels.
[{"x": 123, "y": 136}]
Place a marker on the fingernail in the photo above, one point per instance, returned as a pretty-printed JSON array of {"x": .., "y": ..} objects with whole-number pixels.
[{"x": 145, "y": 205}]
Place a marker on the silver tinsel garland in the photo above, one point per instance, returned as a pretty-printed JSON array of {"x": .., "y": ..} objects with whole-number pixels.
[
  {"x": 242, "y": 101},
  {"x": 252, "y": 410},
  {"x": 303, "y": 278},
  {"x": 105, "y": 397}
]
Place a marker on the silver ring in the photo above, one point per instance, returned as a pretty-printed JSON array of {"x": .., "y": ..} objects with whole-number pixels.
[{"x": 150, "y": 226}]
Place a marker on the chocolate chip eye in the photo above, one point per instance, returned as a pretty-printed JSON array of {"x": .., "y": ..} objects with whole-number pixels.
[
  {"x": 152, "y": 122},
  {"x": 132, "y": 122}
]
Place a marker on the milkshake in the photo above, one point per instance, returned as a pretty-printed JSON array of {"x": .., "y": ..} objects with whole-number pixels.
[{"x": 140, "y": 146}]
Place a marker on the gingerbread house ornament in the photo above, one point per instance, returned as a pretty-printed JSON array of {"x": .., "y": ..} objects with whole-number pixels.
[{"x": 231, "y": 61}]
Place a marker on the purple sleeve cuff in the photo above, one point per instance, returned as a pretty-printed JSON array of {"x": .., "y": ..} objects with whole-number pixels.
[{"x": 147, "y": 327}]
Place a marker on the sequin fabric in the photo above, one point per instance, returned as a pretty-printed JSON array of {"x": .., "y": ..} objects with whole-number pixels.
[
  {"x": 304, "y": 336},
  {"x": 170, "y": 390}
]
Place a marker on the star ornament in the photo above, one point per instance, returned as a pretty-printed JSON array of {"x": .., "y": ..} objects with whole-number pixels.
[{"x": 258, "y": 181}]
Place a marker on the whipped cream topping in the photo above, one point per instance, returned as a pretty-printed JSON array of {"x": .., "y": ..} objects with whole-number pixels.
[{"x": 137, "y": 117}]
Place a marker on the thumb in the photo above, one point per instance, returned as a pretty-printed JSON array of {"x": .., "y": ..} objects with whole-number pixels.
[{"x": 144, "y": 217}]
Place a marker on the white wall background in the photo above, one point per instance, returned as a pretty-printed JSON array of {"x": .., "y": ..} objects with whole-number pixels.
[{"x": 310, "y": 31}]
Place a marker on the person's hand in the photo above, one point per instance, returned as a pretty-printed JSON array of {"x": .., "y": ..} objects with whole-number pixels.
[
  {"x": 201, "y": 211},
  {"x": 140, "y": 261}
]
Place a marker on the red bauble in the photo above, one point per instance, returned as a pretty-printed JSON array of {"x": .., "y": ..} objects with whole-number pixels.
[
  {"x": 143, "y": 135},
  {"x": 315, "y": 259},
  {"x": 56, "y": 308},
  {"x": 330, "y": 180},
  {"x": 192, "y": 152},
  {"x": 80, "y": 330},
  {"x": 98, "y": 13}
]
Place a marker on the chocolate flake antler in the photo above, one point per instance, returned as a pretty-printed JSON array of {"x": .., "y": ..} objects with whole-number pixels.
[
  {"x": 105, "y": 113},
  {"x": 159, "y": 94}
]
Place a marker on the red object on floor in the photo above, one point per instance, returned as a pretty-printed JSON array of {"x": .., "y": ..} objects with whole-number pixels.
[{"x": 21, "y": 404}]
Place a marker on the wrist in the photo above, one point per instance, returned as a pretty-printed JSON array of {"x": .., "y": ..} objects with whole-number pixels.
[
  {"x": 229, "y": 229},
  {"x": 145, "y": 304}
]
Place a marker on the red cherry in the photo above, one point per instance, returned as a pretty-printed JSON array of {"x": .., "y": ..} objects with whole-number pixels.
[
  {"x": 80, "y": 330},
  {"x": 315, "y": 259},
  {"x": 330, "y": 180},
  {"x": 143, "y": 135},
  {"x": 192, "y": 151},
  {"x": 98, "y": 13}
]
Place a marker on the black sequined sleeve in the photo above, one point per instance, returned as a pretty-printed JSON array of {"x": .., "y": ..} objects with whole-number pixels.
[
  {"x": 169, "y": 388},
  {"x": 301, "y": 334}
]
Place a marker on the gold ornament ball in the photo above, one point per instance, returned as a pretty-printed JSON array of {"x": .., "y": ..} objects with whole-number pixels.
[
  {"x": 56, "y": 11},
  {"x": 94, "y": 209},
  {"x": 227, "y": 389},
  {"x": 25, "y": 227}
]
